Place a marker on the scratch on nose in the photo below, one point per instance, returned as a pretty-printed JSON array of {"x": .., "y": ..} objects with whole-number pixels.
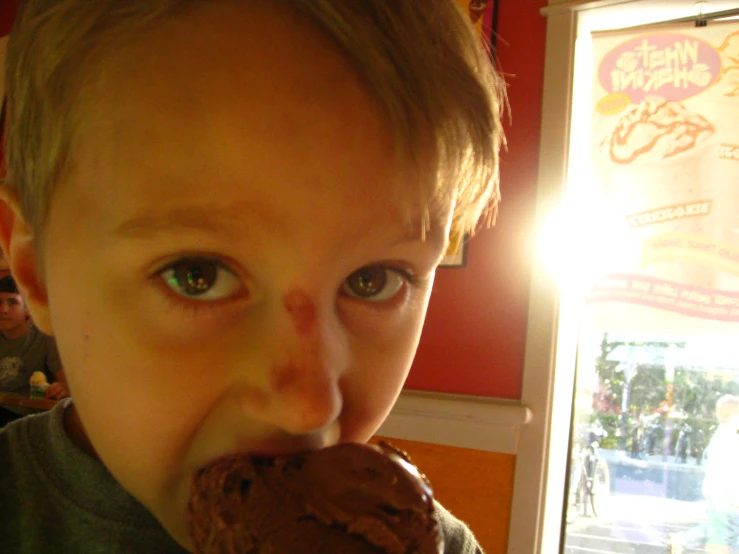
[
  {"x": 297, "y": 370},
  {"x": 302, "y": 311},
  {"x": 283, "y": 376}
]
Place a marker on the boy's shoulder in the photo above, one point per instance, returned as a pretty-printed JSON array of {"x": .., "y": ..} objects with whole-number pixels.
[
  {"x": 58, "y": 499},
  {"x": 458, "y": 539}
]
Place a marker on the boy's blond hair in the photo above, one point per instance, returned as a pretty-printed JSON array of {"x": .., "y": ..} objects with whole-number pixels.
[
  {"x": 727, "y": 406},
  {"x": 421, "y": 58}
]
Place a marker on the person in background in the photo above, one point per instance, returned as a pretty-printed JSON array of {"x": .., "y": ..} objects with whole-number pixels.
[
  {"x": 720, "y": 531},
  {"x": 23, "y": 351},
  {"x": 721, "y": 483}
]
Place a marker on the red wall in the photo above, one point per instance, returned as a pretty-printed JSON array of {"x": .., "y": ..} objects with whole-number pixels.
[
  {"x": 7, "y": 15},
  {"x": 475, "y": 333}
]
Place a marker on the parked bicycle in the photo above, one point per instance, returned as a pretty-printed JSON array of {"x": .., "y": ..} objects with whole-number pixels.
[{"x": 590, "y": 480}]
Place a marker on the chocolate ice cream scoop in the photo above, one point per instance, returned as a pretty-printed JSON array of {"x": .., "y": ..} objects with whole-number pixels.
[{"x": 352, "y": 498}]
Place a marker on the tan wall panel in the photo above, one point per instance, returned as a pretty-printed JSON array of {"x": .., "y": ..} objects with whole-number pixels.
[{"x": 475, "y": 486}]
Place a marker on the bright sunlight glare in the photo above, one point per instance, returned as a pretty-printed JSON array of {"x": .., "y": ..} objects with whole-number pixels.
[{"x": 583, "y": 239}]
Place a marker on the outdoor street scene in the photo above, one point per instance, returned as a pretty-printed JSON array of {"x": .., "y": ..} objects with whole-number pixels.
[
  {"x": 641, "y": 515},
  {"x": 654, "y": 447}
]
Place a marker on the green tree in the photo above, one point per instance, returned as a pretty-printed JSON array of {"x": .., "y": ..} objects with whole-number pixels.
[{"x": 694, "y": 395}]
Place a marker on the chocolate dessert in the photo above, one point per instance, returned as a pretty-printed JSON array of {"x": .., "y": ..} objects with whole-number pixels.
[{"x": 346, "y": 498}]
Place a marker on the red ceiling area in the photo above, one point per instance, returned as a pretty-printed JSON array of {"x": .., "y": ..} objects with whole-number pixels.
[{"x": 7, "y": 15}]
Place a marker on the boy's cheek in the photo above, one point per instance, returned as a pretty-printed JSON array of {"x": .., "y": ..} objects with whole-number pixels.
[
  {"x": 368, "y": 402},
  {"x": 387, "y": 349},
  {"x": 369, "y": 393}
]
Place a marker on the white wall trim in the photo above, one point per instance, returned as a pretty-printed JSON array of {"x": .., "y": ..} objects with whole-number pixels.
[
  {"x": 454, "y": 420},
  {"x": 558, "y": 6}
]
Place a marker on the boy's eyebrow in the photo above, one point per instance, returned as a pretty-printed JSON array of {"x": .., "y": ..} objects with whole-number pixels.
[
  {"x": 195, "y": 218},
  {"x": 214, "y": 220}
]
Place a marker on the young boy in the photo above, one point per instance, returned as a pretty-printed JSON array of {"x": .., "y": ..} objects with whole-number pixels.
[
  {"x": 23, "y": 351},
  {"x": 229, "y": 213}
]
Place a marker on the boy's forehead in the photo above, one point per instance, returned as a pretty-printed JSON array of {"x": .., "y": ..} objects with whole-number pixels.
[
  {"x": 217, "y": 46},
  {"x": 214, "y": 61},
  {"x": 217, "y": 84},
  {"x": 221, "y": 70}
]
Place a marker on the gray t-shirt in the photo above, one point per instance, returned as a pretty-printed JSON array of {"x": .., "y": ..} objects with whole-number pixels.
[
  {"x": 20, "y": 357},
  {"x": 57, "y": 499}
]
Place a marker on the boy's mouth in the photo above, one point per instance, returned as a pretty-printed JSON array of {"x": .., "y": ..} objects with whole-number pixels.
[{"x": 280, "y": 445}]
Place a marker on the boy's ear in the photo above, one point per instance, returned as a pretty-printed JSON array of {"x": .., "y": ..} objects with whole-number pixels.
[{"x": 16, "y": 242}]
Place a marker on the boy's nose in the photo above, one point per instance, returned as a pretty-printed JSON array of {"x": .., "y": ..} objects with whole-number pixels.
[{"x": 301, "y": 392}]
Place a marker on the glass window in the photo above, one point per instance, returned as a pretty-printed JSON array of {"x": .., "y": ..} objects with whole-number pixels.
[{"x": 652, "y": 219}]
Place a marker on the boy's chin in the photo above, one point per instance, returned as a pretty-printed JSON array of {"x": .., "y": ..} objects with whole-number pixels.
[
  {"x": 172, "y": 519},
  {"x": 175, "y": 524},
  {"x": 183, "y": 539}
]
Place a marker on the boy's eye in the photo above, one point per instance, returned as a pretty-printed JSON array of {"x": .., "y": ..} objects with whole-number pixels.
[
  {"x": 374, "y": 283},
  {"x": 204, "y": 280}
]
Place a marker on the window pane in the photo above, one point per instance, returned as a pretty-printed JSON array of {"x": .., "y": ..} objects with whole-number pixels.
[{"x": 654, "y": 458}]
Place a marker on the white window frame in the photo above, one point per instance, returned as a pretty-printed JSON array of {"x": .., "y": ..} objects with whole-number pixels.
[
  {"x": 542, "y": 449},
  {"x": 535, "y": 459}
]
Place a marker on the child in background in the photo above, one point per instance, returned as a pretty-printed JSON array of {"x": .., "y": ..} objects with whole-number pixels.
[
  {"x": 229, "y": 213},
  {"x": 24, "y": 352}
]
